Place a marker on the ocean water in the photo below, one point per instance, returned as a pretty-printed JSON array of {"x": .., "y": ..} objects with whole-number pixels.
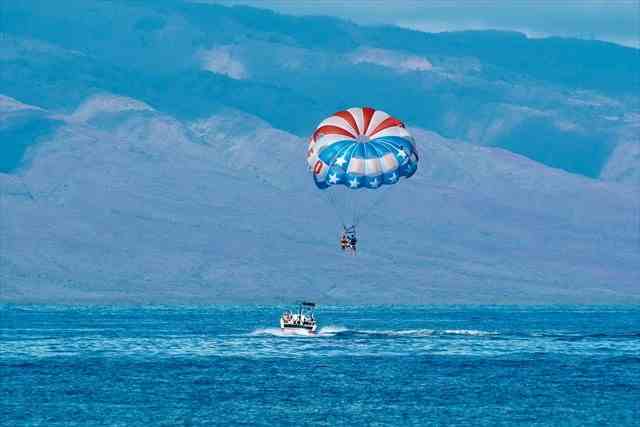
[{"x": 368, "y": 365}]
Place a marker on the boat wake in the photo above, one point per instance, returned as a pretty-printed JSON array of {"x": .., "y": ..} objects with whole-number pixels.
[
  {"x": 334, "y": 330},
  {"x": 326, "y": 331}
]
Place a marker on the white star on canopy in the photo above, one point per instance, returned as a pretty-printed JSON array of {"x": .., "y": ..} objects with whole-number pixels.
[
  {"x": 354, "y": 182},
  {"x": 333, "y": 178},
  {"x": 393, "y": 177},
  {"x": 401, "y": 153},
  {"x": 340, "y": 161},
  {"x": 374, "y": 182}
]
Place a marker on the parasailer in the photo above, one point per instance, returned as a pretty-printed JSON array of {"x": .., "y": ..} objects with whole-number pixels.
[
  {"x": 344, "y": 241},
  {"x": 348, "y": 239},
  {"x": 359, "y": 149}
]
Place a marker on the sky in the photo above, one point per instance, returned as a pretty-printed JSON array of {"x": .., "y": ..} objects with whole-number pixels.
[{"x": 616, "y": 21}]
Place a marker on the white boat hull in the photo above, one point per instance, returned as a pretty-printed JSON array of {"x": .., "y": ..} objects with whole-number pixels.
[{"x": 298, "y": 327}]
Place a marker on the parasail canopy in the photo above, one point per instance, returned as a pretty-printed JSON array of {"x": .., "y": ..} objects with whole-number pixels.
[{"x": 361, "y": 148}]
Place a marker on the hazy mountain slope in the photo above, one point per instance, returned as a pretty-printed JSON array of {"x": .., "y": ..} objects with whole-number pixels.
[
  {"x": 21, "y": 125},
  {"x": 624, "y": 163},
  {"x": 557, "y": 101},
  {"x": 124, "y": 203}
]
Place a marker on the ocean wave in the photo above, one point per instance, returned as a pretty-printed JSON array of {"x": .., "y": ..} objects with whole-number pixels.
[
  {"x": 427, "y": 332},
  {"x": 576, "y": 336},
  {"x": 470, "y": 332}
]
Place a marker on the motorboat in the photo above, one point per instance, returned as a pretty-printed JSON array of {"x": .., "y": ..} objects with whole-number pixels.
[{"x": 300, "y": 320}]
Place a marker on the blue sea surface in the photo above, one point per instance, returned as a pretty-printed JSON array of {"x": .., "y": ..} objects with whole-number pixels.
[{"x": 368, "y": 365}]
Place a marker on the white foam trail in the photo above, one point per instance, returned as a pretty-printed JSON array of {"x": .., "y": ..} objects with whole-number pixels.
[
  {"x": 471, "y": 332},
  {"x": 407, "y": 332},
  {"x": 277, "y": 332},
  {"x": 332, "y": 330},
  {"x": 325, "y": 331}
]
